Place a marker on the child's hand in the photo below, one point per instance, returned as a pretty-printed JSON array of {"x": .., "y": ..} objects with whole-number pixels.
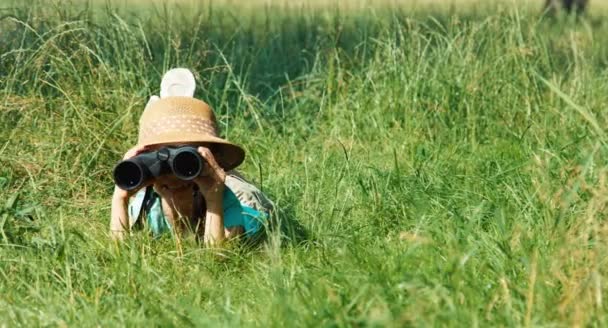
[
  {"x": 122, "y": 194},
  {"x": 211, "y": 180}
]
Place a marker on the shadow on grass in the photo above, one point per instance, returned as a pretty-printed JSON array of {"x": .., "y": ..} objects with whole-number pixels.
[{"x": 282, "y": 224}]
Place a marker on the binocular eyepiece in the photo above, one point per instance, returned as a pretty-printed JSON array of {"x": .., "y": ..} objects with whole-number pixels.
[{"x": 184, "y": 162}]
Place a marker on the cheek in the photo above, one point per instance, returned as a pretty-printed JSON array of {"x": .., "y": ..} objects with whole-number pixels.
[{"x": 167, "y": 179}]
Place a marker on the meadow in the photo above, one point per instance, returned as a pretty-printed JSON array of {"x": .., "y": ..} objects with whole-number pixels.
[{"x": 432, "y": 164}]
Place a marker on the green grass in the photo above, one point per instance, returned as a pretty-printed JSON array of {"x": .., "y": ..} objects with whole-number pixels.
[{"x": 433, "y": 166}]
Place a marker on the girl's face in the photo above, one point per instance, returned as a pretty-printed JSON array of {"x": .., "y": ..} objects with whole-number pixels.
[{"x": 169, "y": 184}]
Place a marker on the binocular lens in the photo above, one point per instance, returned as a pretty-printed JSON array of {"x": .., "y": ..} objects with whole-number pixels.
[
  {"x": 187, "y": 165},
  {"x": 128, "y": 175},
  {"x": 185, "y": 162}
]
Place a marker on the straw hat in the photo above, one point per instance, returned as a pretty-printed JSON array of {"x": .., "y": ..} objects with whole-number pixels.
[{"x": 177, "y": 117}]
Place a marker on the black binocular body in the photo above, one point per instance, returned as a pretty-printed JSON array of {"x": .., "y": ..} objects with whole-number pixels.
[{"x": 184, "y": 162}]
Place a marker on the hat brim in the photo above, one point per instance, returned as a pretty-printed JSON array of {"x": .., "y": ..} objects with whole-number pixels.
[{"x": 227, "y": 154}]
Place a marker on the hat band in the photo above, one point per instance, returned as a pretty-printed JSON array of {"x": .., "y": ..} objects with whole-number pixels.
[{"x": 178, "y": 123}]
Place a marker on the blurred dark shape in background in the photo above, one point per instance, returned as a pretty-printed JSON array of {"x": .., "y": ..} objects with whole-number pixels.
[{"x": 577, "y": 6}]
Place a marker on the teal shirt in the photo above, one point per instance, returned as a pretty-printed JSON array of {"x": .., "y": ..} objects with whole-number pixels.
[{"x": 235, "y": 214}]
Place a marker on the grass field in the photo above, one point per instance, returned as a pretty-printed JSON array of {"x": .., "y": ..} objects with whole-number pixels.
[{"x": 433, "y": 165}]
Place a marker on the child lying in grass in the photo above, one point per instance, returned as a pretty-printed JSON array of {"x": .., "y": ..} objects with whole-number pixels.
[{"x": 216, "y": 205}]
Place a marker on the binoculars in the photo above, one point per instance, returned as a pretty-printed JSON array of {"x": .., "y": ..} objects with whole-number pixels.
[{"x": 185, "y": 162}]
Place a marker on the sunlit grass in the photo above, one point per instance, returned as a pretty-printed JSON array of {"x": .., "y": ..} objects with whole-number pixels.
[{"x": 437, "y": 166}]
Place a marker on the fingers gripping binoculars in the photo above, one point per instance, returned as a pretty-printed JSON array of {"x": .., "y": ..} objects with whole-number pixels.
[{"x": 185, "y": 162}]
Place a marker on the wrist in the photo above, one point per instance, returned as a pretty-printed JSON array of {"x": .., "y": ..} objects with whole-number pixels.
[
  {"x": 117, "y": 197},
  {"x": 215, "y": 203},
  {"x": 213, "y": 192},
  {"x": 118, "y": 234},
  {"x": 214, "y": 200}
]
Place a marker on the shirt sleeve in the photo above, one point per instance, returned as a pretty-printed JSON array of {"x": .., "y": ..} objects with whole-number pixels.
[
  {"x": 253, "y": 220},
  {"x": 154, "y": 218},
  {"x": 232, "y": 210},
  {"x": 136, "y": 204},
  {"x": 239, "y": 214}
]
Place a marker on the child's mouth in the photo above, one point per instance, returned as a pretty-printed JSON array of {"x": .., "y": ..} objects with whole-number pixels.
[{"x": 175, "y": 188}]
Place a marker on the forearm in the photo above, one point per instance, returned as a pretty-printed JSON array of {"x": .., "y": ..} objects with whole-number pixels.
[
  {"x": 119, "y": 223},
  {"x": 214, "y": 224}
]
